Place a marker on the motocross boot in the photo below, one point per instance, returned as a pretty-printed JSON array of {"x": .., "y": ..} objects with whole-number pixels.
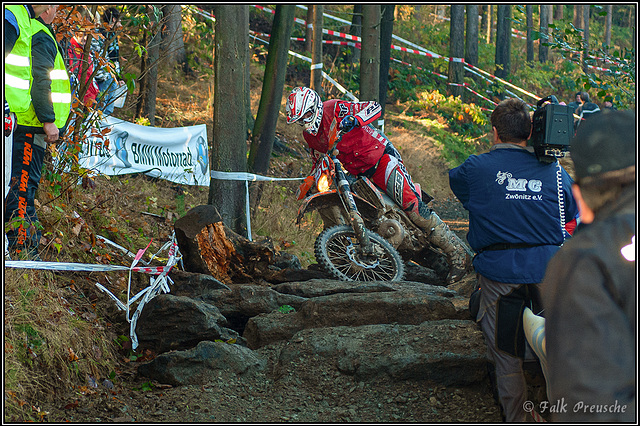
[{"x": 439, "y": 234}]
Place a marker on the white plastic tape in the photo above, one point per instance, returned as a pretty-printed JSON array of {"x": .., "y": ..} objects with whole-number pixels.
[
  {"x": 245, "y": 176},
  {"x": 158, "y": 284}
]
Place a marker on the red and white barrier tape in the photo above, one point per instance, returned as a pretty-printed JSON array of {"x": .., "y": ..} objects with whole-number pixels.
[
  {"x": 324, "y": 74},
  {"x": 157, "y": 284},
  {"x": 336, "y": 42},
  {"x": 421, "y": 52},
  {"x": 537, "y": 417},
  {"x": 537, "y": 98},
  {"x": 478, "y": 94}
]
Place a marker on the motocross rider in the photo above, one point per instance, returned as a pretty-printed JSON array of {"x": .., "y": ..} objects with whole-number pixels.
[{"x": 365, "y": 151}]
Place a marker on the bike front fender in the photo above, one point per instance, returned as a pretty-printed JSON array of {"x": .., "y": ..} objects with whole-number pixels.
[{"x": 326, "y": 199}]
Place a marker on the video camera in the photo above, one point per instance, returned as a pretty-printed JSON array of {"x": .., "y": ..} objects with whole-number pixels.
[{"x": 553, "y": 129}]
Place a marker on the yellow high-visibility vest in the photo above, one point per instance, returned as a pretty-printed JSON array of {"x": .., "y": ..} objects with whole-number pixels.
[{"x": 19, "y": 78}]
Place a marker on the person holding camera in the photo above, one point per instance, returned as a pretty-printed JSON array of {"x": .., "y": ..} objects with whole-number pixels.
[
  {"x": 589, "y": 290},
  {"x": 518, "y": 210}
]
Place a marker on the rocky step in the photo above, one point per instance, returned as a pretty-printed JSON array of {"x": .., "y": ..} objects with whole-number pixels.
[{"x": 400, "y": 331}]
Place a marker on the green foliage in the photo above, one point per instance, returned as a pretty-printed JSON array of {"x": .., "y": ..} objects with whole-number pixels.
[
  {"x": 618, "y": 80},
  {"x": 145, "y": 387},
  {"x": 465, "y": 119},
  {"x": 199, "y": 36},
  {"x": 143, "y": 121},
  {"x": 286, "y": 309},
  {"x": 406, "y": 82},
  {"x": 33, "y": 342}
]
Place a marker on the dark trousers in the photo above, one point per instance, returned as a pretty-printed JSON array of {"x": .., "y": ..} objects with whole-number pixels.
[{"x": 26, "y": 169}]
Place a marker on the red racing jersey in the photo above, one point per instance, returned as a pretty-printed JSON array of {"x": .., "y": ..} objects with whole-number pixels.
[{"x": 362, "y": 147}]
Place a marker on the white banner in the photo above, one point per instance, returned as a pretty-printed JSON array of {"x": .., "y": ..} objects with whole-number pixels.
[{"x": 176, "y": 154}]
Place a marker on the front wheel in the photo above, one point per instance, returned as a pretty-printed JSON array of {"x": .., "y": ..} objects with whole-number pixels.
[{"x": 337, "y": 251}]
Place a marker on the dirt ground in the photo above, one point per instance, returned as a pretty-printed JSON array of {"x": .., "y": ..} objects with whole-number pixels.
[{"x": 281, "y": 397}]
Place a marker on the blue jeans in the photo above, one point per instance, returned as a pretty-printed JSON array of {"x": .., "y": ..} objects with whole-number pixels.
[{"x": 107, "y": 89}]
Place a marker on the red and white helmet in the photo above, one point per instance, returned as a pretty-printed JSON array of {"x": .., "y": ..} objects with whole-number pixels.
[{"x": 305, "y": 106}]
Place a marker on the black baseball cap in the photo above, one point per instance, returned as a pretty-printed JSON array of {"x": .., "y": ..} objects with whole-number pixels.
[{"x": 604, "y": 143}]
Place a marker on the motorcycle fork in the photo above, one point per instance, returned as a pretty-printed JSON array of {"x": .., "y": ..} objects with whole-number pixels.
[{"x": 349, "y": 203}]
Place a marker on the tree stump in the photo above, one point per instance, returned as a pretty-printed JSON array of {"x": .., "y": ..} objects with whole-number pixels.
[{"x": 210, "y": 247}]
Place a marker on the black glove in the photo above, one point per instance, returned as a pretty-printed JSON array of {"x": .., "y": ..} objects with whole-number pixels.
[{"x": 348, "y": 123}]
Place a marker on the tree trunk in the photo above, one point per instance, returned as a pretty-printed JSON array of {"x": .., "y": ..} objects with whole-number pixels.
[
  {"x": 503, "y": 41},
  {"x": 229, "y": 151},
  {"x": 356, "y": 30},
  {"x": 530, "y": 57},
  {"x": 142, "y": 86},
  {"x": 484, "y": 12},
  {"x": 309, "y": 30},
  {"x": 585, "y": 36},
  {"x": 578, "y": 16},
  {"x": 471, "y": 44},
  {"x": 153, "y": 59},
  {"x": 456, "y": 50},
  {"x": 586, "y": 12},
  {"x": 264, "y": 129},
  {"x": 370, "y": 55},
  {"x": 559, "y": 13},
  {"x": 607, "y": 28},
  {"x": 491, "y": 30},
  {"x": 633, "y": 38},
  {"x": 543, "y": 52},
  {"x": 316, "y": 47},
  {"x": 172, "y": 39},
  {"x": 386, "y": 32}
]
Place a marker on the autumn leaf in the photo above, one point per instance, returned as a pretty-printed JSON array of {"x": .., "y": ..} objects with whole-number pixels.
[
  {"x": 72, "y": 355},
  {"x": 71, "y": 405},
  {"x": 76, "y": 229}
]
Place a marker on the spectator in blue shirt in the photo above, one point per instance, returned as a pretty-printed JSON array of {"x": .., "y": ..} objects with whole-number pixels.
[{"x": 518, "y": 208}]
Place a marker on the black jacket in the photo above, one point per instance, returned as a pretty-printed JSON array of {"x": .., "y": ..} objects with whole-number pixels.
[{"x": 589, "y": 296}]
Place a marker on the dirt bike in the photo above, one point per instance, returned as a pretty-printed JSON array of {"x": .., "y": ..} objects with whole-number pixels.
[{"x": 366, "y": 235}]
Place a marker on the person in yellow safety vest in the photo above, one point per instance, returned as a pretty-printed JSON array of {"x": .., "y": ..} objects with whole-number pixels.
[
  {"x": 24, "y": 14},
  {"x": 38, "y": 92}
]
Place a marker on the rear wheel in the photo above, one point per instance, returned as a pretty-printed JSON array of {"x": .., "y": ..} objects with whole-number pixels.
[{"x": 337, "y": 251}]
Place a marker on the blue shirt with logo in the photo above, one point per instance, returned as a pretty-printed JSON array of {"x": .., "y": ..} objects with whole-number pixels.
[{"x": 514, "y": 198}]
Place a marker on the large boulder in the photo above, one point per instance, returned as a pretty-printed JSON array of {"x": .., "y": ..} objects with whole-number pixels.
[
  {"x": 192, "y": 284},
  {"x": 324, "y": 287},
  {"x": 404, "y": 306},
  {"x": 338, "y": 303},
  {"x": 200, "y": 365},
  {"x": 169, "y": 322},
  {"x": 246, "y": 301},
  {"x": 449, "y": 352}
]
